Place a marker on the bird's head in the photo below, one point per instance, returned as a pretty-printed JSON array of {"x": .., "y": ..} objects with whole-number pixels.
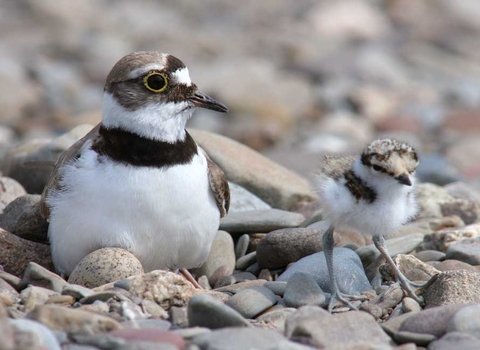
[
  {"x": 151, "y": 94},
  {"x": 391, "y": 159}
]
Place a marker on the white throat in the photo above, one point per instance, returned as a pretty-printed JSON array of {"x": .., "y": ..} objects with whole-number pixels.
[
  {"x": 157, "y": 121},
  {"x": 380, "y": 182}
]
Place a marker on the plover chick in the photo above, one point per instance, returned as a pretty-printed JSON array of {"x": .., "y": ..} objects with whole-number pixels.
[
  {"x": 372, "y": 193},
  {"x": 138, "y": 180}
]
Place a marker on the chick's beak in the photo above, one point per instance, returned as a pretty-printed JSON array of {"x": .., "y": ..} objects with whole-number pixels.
[
  {"x": 199, "y": 99},
  {"x": 404, "y": 179}
]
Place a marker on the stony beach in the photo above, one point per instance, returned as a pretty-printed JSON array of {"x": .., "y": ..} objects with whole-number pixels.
[{"x": 301, "y": 79}]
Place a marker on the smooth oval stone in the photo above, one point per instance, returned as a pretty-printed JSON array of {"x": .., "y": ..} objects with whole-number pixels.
[
  {"x": 252, "y": 301},
  {"x": 246, "y": 260},
  {"x": 260, "y": 221},
  {"x": 467, "y": 250},
  {"x": 278, "y": 287},
  {"x": 205, "y": 311},
  {"x": 466, "y": 320},
  {"x": 348, "y": 269},
  {"x": 221, "y": 254},
  {"x": 243, "y": 200},
  {"x": 430, "y": 255},
  {"x": 302, "y": 289},
  {"x": 242, "y": 246},
  {"x": 44, "y": 334},
  {"x": 104, "y": 266}
]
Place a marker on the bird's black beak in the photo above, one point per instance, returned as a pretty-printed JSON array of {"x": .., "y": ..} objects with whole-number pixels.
[
  {"x": 404, "y": 179},
  {"x": 199, "y": 99}
]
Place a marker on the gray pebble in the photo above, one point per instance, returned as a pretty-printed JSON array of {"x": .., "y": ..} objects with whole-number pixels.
[
  {"x": 76, "y": 291},
  {"x": 179, "y": 316},
  {"x": 206, "y": 311},
  {"x": 466, "y": 250},
  {"x": 147, "y": 323},
  {"x": 225, "y": 281},
  {"x": 242, "y": 276},
  {"x": 242, "y": 246},
  {"x": 456, "y": 340},
  {"x": 278, "y": 287},
  {"x": 203, "y": 282},
  {"x": 303, "y": 290},
  {"x": 420, "y": 339},
  {"x": 252, "y": 301},
  {"x": 410, "y": 305},
  {"x": 254, "y": 269},
  {"x": 348, "y": 269},
  {"x": 260, "y": 221},
  {"x": 41, "y": 277},
  {"x": 430, "y": 255},
  {"x": 466, "y": 320},
  {"x": 246, "y": 261}
]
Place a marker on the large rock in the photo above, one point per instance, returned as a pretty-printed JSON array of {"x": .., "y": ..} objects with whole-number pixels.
[
  {"x": 453, "y": 287},
  {"x": 16, "y": 253},
  {"x": 282, "y": 247},
  {"x": 275, "y": 184},
  {"x": 10, "y": 189},
  {"x": 22, "y": 218},
  {"x": 30, "y": 163}
]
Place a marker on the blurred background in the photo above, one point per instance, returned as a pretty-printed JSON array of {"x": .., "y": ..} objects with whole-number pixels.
[{"x": 301, "y": 78}]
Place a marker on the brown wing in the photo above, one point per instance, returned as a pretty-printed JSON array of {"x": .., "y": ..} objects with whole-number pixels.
[
  {"x": 218, "y": 185},
  {"x": 53, "y": 182}
]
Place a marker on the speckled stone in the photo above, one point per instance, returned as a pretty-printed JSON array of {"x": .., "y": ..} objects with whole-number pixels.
[
  {"x": 453, "y": 287},
  {"x": 104, "y": 266}
]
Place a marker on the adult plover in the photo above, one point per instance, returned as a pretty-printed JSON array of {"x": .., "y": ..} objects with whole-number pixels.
[
  {"x": 138, "y": 180},
  {"x": 372, "y": 193}
]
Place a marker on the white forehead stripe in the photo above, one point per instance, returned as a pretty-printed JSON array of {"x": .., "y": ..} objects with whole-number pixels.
[
  {"x": 143, "y": 70},
  {"x": 182, "y": 76}
]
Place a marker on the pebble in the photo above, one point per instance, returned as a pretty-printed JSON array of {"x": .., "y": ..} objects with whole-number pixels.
[
  {"x": 39, "y": 276},
  {"x": 104, "y": 266},
  {"x": 246, "y": 260},
  {"x": 273, "y": 183},
  {"x": 33, "y": 296},
  {"x": 221, "y": 272},
  {"x": 242, "y": 276},
  {"x": 16, "y": 253},
  {"x": 450, "y": 265},
  {"x": 244, "y": 338},
  {"x": 420, "y": 339},
  {"x": 351, "y": 278},
  {"x": 467, "y": 250},
  {"x": 433, "y": 321},
  {"x": 205, "y": 311},
  {"x": 252, "y": 301},
  {"x": 163, "y": 287},
  {"x": 242, "y": 246},
  {"x": 221, "y": 254},
  {"x": 10, "y": 190},
  {"x": 153, "y": 335},
  {"x": 72, "y": 320},
  {"x": 302, "y": 289},
  {"x": 178, "y": 316},
  {"x": 235, "y": 288},
  {"x": 430, "y": 255},
  {"x": 260, "y": 221},
  {"x": 453, "y": 288},
  {"x": 466, "y": 320},
  {"x": 76, "y": 291},
  {"x": 410, "y": 305},
  {"x": 45, "y": 336},
  {"x": 278, "y": 287},
  {"x": 203, "y": 282},
  {"x": 254, "y": 269},
  {"x": 22, "y": 218},
  {"x": 274, "y": 319},
  {"x": 12, "y": 280},
  {"x": 328, "y": 331},
  {"x": 243, "y": 200},
  {"x": 399, "y": 245},
  {"x": 456, "y": 340},
  {"x": 282, "y": 247}
]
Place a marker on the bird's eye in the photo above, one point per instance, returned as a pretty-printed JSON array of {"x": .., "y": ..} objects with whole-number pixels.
[
  {"x": 377, "y": 168},
  {"x": 156, "y": 82}
]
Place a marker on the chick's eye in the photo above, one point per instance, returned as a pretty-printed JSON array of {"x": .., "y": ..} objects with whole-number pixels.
[
  {"x": 156, "y": 82},
  {"x": 377, "y": 168}
]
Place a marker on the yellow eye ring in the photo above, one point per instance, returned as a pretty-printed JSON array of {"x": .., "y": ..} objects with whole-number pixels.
[{"x": 155, "y": 82}]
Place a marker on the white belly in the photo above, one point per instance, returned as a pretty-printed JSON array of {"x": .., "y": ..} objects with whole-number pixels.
[
  {"x": 382, "y": 217},
  {"x": 167, "y": 218}
]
